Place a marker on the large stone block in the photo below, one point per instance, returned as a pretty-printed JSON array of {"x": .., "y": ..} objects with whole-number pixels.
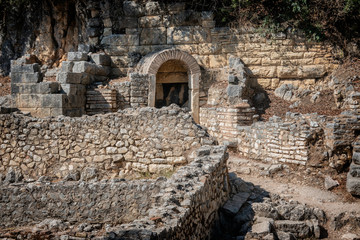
[
  {"x": 152, "y": 8},
  {"x": 75, "y": 78},
  {"x": 73, "y": 89},
  {"x": 17, "y": 77},
  {"x": 131, "y": 8},
  {"x": 30, "y": 101},
  {"x": 150, "y": 21},
  {"x": 101, "y": 59},
  {"x": 121, "y": 40},
  {"x": 48, "y": 87},
  {"x": 54, "y": 101},
  {"x": 353, "y": 185},
  {"x": 356, "y": 158},
  {"x": 91, "y": 68},
  {"x": 38, "y": 88},
  {"x": 201, "y": 35},
  {"x": 311, "y": 71},
  {"x": 179, "y": 35},
  {"x": 153, "y": 36},
  {"x": 26, "y": 68},
  {"x": 77, "y": 56},
  {"x": 287, "y": 72},
  {"x": 66, "y": 66}
]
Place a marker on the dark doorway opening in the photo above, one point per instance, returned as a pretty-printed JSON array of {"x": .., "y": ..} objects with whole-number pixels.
[{"x": 168, "y": 93}]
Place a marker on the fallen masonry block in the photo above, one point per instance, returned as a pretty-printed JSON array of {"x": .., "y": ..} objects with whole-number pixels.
[
  {"x": 233, "y": 205},
  {"x": 299, "y": 228},
  {"x": 77, "y": 56},
  {"x": 19, "y": 77}
]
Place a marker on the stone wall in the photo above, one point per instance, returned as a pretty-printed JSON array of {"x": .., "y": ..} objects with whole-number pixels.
[
  {"x": 223, "y": 123},
  {"x": 146, "y": 140},
  {"x": 66, "y": 96},
  {"x": 188, "y": 208},
  {"x": 102, "y": 202},
  {"x": 184, "y": 206},
  {"x": 271, "y": 61},
  {"x": 280, "y": 140}
]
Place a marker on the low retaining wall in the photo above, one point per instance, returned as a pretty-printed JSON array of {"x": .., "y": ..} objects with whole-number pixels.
[
  {"x": 103, "y": 202},
  {"x": 223, "y": 123},
  {"x": 279, "y": 140},
  {"x": 181, "y": 207},
  {"x": 145, "y": 140}
]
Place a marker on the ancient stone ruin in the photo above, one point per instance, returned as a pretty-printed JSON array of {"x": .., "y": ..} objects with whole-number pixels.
[{"x": 129, "y": 137}]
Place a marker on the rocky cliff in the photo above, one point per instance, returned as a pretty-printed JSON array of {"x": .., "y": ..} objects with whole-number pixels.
[{"x": 45, "y": 28}]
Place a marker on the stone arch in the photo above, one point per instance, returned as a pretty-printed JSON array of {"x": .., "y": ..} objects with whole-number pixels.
[{"x": 151, "y": 63}]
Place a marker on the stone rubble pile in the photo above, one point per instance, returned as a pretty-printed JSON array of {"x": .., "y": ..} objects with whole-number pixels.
[{"x": 252, "y": 213}]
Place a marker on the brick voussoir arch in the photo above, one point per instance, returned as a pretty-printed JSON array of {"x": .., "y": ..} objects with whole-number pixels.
[
  {"x": 154, "y": 62},
  {"x": 151, "y": 63}
]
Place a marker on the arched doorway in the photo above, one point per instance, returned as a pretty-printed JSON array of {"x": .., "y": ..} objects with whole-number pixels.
[
  {"x": 185, "y": 76},
  {"x": 172, "y": 84}
]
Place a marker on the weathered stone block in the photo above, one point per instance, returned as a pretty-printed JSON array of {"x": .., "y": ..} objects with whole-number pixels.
[
  {"x": 73, "y": 89},
  {"x": 66, "y": 66},
  {"x": 298, "y": 228},
  {"x": 150, "y": 21},
  {"x": 152, "y": 8},
  {"x": 77, "y": 56},
  {"x": 311, "y": 71},
  {"x": 26, "y": 68},
  {"x": 356, "y": 158},
  {"x": 15, "y": 88},
  {"x": 263, "y": 72},
  {"x": 54, "y": 101},
  {"x": 200, "y": 35},
  {"x": 25, "y": 77},
  {"x": 69, "y": 77},
  {"x": 101, "y": 59},
  {"x": 287, "y": 72},
  {"x": 209, "y": 48},
  {"x": 153, "y": 36},
  {"x": 179, "y": 35},
  {"x": 91, "y": 68},
  {"x": 121, "y": 40},
  {"x": 30, "y": 101},
  {"x": 131, "y": 8}
]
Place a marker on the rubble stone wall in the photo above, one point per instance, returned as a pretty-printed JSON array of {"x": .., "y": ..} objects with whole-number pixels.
[
  {"x": 145, "y": 140},
  {"x": 102, "y": 202}
]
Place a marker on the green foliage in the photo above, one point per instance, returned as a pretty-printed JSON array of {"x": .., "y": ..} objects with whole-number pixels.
[{"x": 335, "y": 20}]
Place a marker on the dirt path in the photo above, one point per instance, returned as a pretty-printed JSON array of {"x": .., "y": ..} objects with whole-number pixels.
[{"x": 332, "y": 203}]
